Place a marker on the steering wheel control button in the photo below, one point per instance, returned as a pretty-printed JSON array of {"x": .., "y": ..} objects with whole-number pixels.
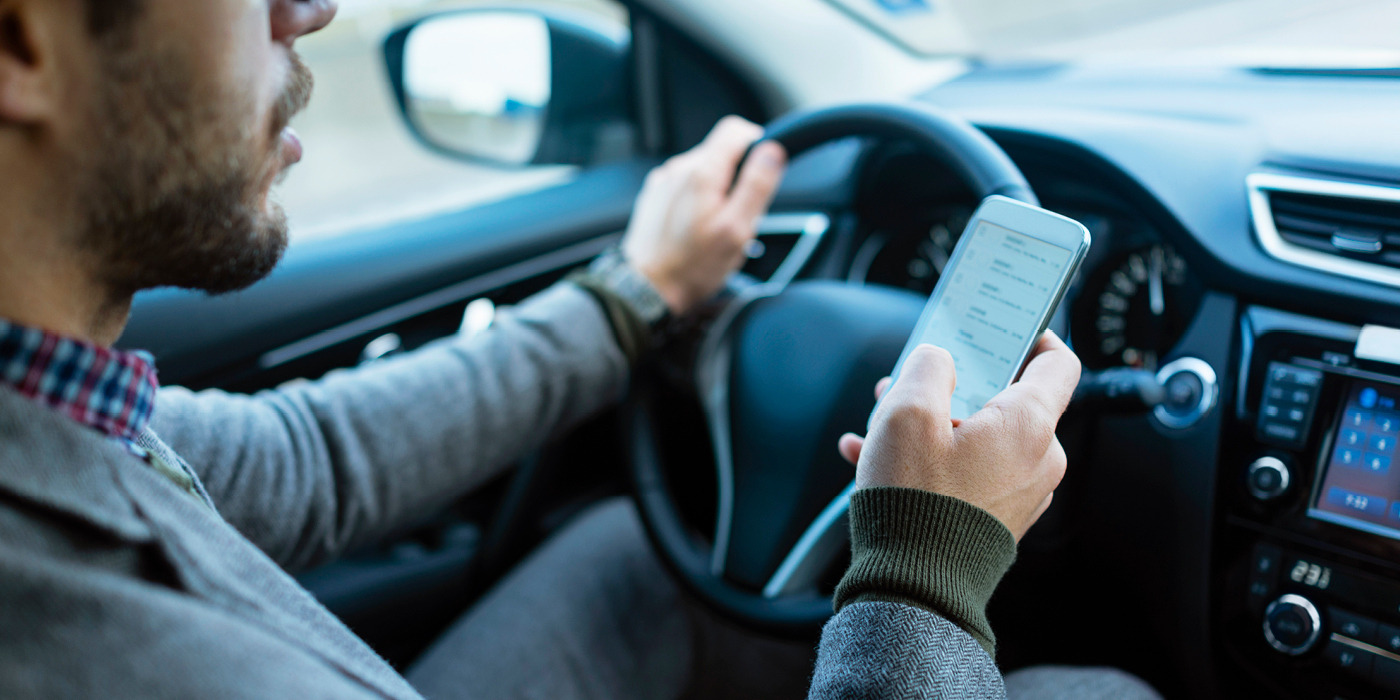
[
  {"x": 1292, "y": 625},
  {"x": 1287, "y": 404},
  {"x": 1268, "y": 478},
  {"x": 1349, "y": 659},
  {"x": 1191, "y": 392}
]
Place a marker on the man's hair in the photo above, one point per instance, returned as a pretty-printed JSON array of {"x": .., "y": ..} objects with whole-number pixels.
[{"x": 106, "y": 16}]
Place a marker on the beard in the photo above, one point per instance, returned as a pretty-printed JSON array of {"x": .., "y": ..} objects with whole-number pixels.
[{"x": 175, "y": 189}]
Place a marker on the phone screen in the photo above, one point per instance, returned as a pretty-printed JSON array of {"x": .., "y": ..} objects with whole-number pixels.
[{"x": 991, "y": 308}]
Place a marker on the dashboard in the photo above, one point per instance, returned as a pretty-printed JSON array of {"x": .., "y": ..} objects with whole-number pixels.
[{"x": 1246, "y": 224}]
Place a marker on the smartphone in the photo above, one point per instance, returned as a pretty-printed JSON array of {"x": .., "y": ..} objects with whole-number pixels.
[{"x": 997, "y": 294}]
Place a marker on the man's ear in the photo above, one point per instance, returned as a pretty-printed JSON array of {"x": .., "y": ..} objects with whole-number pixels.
[{"x": 27, "y": 87}]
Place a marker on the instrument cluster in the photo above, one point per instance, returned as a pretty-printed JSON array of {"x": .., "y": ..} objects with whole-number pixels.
[{"x": 1132, "y": 303}]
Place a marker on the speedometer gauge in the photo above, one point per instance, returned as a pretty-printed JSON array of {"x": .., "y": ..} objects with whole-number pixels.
[
  {"x": 1133, "y": 311},
  {"x": 911, "y": 256}
]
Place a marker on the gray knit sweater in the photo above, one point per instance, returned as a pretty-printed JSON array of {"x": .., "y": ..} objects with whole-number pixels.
[{"x": 114, "y": 582}]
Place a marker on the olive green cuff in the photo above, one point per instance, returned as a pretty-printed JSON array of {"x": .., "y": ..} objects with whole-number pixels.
[
  {"x": 927, "y": 550},
  {"x": 633, "y": 334}
]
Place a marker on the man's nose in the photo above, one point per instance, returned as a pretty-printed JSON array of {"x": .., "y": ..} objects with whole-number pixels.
[{"x": 293, "y": 19}]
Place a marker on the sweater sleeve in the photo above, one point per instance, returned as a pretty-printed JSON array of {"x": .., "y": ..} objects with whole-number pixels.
[
  {"x": 927, "y": 550},
  {"x": 911, "y": 611},
  {"x": 311, "y": 469}
]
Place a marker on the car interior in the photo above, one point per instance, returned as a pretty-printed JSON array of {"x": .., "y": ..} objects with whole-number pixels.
[{"x": 1230, "y": 522}]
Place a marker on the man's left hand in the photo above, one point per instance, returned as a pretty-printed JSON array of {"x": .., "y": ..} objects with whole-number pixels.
[{"x": 694, "y": 221}]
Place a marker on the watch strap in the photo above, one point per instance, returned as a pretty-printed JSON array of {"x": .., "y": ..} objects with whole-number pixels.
[{"x": 633, "y": 307}]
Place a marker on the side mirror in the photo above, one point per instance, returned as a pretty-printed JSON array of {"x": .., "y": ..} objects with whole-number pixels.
[{"x": 513, "y": 87}]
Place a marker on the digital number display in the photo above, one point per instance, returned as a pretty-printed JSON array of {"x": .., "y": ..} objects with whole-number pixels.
[
  {"x": 1360, "y": 484},
  {"x": 1311, "y": 575}
]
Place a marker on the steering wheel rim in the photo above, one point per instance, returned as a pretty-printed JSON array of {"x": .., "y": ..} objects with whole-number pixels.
[{"x": 788, "y": 603}]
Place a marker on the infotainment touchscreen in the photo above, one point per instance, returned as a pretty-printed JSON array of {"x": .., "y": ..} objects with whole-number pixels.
[{"x": 1360, "y": 482}]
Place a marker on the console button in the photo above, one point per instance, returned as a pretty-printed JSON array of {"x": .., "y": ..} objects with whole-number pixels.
[
  {"x": 1266, "y": 561},
  {"x": 1353, "y": 661},
  {"x": 1285, "y": 411},
  {"x": 1352, "y": 625},
  {"x": 1279, "y": 431},
  {"x": 1292, "y": 625},
  {"x": 1388, "y": 638},
  {"x": 1263, "y": 573},
  {"x": 1191, "y": 392},
  {"x": 1184, "y": 392}
]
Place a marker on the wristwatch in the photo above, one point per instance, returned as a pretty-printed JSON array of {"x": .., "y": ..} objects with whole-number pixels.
[
  {"x": 615, "y": 275},
  {"x": 634, "y": 308}
]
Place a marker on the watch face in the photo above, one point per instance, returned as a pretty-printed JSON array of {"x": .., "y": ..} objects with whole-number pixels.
[{"x": 628, "y": 283}]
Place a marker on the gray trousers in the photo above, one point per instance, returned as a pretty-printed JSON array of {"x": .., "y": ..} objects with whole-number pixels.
[{"x": 593, "y": 614}]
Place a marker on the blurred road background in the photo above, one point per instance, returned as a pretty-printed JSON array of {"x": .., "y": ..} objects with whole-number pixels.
[{"x": 362, "y": 168}]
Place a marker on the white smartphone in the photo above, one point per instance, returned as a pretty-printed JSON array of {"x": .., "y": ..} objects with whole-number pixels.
[{"x": 995, "y": 297}]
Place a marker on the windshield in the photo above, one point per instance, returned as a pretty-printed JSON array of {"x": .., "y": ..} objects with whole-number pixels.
[{"x": 1287, "y": 33}]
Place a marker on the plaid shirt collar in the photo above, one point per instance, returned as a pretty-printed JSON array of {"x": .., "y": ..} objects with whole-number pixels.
[{"x": 110, "y": 391}]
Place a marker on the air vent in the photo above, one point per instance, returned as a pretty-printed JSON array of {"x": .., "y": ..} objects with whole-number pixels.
[
  {"x": 784, "y": 244},
  {"x": 1337, "y": 227}
]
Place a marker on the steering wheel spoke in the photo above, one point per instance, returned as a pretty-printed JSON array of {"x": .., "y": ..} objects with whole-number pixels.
[{"x": 819, "y": 547}]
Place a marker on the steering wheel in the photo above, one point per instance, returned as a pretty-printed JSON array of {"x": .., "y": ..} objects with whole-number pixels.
[{"x": 782, "y": 373}]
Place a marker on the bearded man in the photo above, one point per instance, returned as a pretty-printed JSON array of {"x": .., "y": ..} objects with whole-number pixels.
[{"x": 144, "y": 532}]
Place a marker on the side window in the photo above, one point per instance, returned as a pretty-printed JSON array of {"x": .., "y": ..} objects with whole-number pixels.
[{"x": 362, "y": 168}]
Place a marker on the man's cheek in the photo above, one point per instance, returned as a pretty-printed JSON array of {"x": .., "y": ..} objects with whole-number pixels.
[{"x": 244, "y": 59}]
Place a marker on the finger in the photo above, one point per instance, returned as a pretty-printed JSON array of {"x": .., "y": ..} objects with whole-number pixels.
[
  {"x": 926, "y": 381},
  {"x": 882, "y": 386},
  {"x": 727, "y": 143},
  {"x": 758, "y": 182},
  {"x": 1049, "y": 379},
  {"x": 731, "y": 132},
  {"x": 850, "y": 446}
]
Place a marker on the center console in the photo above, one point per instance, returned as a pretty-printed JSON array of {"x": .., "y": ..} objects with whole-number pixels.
[{"x": 1307, "y": 563}]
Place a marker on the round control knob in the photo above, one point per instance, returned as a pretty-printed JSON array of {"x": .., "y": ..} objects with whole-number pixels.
[
  {"x": 1268, "y": 478},
  {"x": 1292, "y": 625}
]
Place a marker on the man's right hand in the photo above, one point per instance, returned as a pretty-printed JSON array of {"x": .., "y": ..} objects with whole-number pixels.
[{"x": 1004, "y": 459}]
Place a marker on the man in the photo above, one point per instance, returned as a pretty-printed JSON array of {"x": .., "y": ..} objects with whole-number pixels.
[{"x": 139, "y": 140}]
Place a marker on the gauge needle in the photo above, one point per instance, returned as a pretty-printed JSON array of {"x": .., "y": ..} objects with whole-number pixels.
[{"x": 1154, "y": 284}]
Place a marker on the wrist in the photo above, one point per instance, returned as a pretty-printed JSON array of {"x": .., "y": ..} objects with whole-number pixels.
[
  {"x": 677, "y": 299},
  {"x": 925, "y": 549},
  {"x": 633, "y": 307},
  {"x": 615, "y": 274}
]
